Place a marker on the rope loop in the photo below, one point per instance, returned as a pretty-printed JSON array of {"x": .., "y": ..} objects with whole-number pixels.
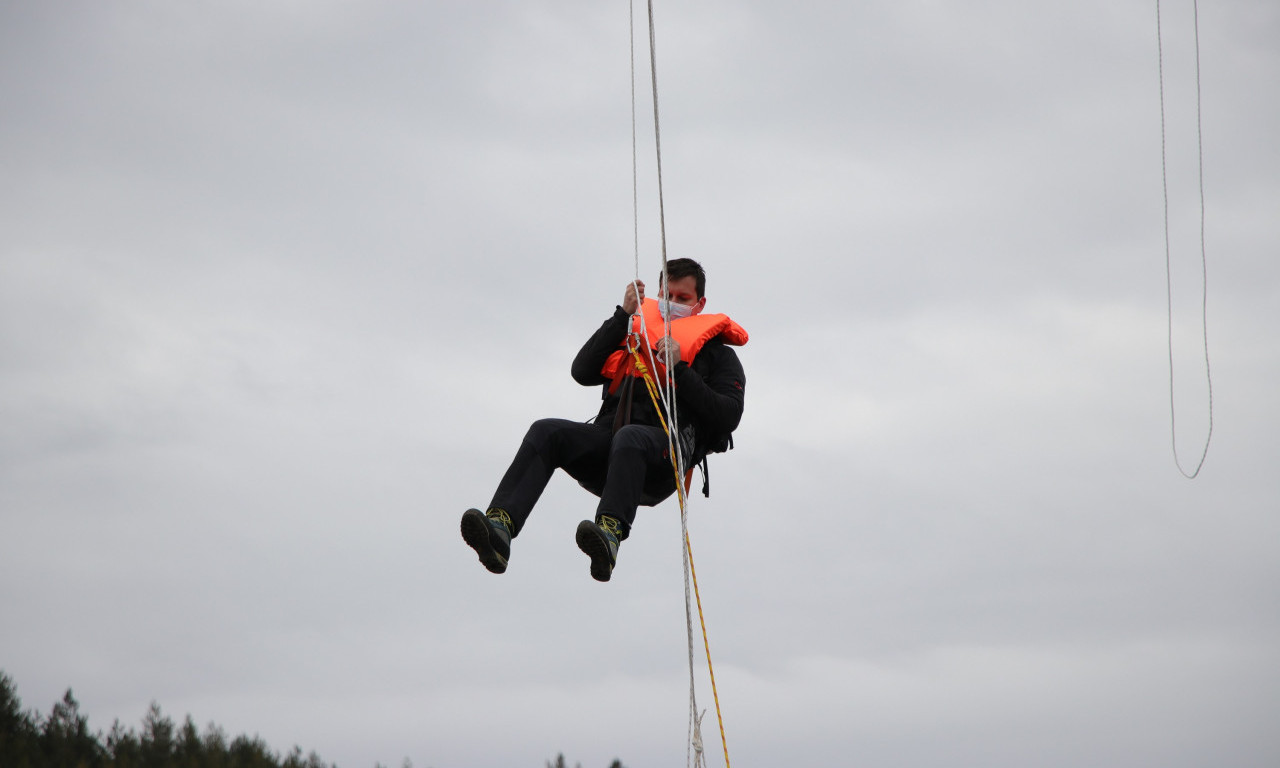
[{"x": 1204, "y": 261}]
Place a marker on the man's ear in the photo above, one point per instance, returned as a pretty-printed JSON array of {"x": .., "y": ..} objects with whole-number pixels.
[{"x": 701, "y": 305}]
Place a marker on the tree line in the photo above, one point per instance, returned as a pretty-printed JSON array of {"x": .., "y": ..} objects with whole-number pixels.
[{"x": 62, "y": 739}]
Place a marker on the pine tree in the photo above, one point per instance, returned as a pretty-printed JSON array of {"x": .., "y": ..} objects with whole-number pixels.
[
  {"x": 65, "y": 737},
  {"x": 19, "y": 736}
]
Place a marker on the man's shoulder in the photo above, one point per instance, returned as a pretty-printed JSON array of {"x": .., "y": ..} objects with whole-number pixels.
[
  {"x": 716, "y": 354},
  {"x": 722, "y": 348}
]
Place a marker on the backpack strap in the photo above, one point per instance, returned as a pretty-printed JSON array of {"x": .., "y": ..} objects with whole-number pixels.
[{"x": 622, "y": 416}]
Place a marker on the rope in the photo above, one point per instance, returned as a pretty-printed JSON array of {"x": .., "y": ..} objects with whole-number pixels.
[
  {"x": 691, "y": 573},
  {"x": 635, "y": 194},
  {"x": 1204, "y": 263},
  {"x": 666, "y": 395},
  {"x": 706, "y": 645}
]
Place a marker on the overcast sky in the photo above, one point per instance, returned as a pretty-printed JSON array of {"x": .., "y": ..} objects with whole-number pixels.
[{"x": 282, "y": 284}]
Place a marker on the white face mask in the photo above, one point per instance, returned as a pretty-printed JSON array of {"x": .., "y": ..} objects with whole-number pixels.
[{"x": 673, "y": 311}]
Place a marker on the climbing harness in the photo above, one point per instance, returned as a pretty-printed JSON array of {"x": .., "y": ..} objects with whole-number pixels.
[
  {"x": 664, "y": 393},
  {"x": 1204, "y": 266}
]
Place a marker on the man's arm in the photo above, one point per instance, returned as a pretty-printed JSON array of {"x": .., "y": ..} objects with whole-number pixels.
[
  {"x": 591, "y": 358},
  {"x": 715, "y": 399},
  {"x": 607, "y": 338}
]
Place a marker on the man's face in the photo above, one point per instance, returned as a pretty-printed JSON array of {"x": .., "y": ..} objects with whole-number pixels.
[{"x": 684, "y": 290}]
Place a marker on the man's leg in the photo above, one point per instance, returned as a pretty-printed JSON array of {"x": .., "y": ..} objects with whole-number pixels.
[
  {"x": 581, "y": 449},
  {"x": 639, "y": 466}
]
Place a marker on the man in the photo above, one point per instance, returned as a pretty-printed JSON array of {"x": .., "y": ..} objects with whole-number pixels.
[{"x": 623, "y": 457}]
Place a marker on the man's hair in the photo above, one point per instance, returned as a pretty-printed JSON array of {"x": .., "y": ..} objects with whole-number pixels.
[{"x": 678, "y": 269}]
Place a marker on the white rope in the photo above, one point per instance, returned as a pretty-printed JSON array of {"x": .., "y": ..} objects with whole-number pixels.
[
  {"x": 1204, "y": 265},
  {"x": 635, "y": 194},
  {"x": 694, "y": 753},
  {"x": 674, "y": 443}
]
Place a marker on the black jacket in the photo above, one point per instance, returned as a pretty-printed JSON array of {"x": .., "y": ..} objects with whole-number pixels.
[{"x": 709, "y": 392}]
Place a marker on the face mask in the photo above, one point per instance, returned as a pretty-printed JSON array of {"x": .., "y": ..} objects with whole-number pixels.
[{"x": 673, "y": 311}]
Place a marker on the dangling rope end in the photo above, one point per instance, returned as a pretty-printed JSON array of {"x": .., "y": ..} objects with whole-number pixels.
[
  {"x": 1204, "y": 259},
  {"x": 698, "y": 757}
]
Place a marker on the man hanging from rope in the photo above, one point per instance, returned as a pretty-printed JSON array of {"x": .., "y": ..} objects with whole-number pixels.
[{"x": 623, "y": 456}]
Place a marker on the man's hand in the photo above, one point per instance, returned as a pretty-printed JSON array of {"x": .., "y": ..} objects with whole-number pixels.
[
  {"x": 631, "y": 300},
  {"x": 669, "y": 350}
]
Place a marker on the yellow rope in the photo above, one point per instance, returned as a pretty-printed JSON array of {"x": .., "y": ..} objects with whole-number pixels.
[
  {"x": 643, "y": 371},
  {"x": 707, "y": 647}
]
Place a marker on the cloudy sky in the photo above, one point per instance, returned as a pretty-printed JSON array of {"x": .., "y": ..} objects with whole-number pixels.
[{"x": 282, "y": 284}]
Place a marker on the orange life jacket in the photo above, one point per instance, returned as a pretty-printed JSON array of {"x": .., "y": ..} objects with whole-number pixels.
[{"x": 691, "y": 333}]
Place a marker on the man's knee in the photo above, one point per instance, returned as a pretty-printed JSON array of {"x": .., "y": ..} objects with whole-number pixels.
[
  {"x": 544, "y": 432},
  {"x": 541, "y": 431},
  {"x": 561, "y": 440}
]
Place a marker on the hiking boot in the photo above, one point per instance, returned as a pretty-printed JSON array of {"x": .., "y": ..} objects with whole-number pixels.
[
  {"x": 489, "y": 534},
  {"x": 600, "y": 541}
]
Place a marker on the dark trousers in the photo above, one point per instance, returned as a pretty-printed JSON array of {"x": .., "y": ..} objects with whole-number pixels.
[{"x": 625, "y": 470}]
